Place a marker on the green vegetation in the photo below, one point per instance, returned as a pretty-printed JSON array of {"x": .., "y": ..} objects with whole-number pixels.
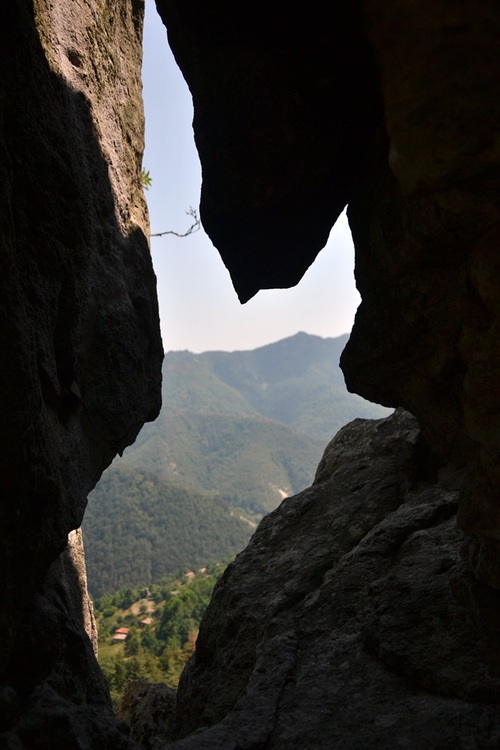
[
  {"x": 238, "y": 432},
  {"x": 249, "y": 461},
  {"x": 162, "y": 624},
  {"x": 146, "y": 178},
  {"x": 139, "y": 528},
  {"x": 296, "y": 381}
]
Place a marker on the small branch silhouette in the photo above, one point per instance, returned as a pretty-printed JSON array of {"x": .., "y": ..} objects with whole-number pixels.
[{"x": 195, "y": 226}]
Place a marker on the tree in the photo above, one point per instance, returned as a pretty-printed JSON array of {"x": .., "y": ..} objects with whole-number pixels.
[
  {"x": 148, "y": 641},
  {"x": 119, "y": 674},
  {"x": 132, "y": 644},
  {"x": 172, "y": 661},
  {"x": 195, "y": 226}
]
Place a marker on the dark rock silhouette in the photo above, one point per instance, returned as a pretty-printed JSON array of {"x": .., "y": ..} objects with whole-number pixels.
[{"x": 82, "y": 351}]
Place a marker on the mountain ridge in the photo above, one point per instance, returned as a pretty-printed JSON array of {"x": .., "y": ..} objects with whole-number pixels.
[{"x": 241, "y": 429}]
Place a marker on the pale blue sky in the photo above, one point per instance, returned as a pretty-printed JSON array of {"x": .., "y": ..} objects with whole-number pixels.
[{"x": 199, "y": 309}]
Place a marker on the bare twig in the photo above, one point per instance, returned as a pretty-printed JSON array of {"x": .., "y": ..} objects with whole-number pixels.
[{"x": 195, "y": 226}]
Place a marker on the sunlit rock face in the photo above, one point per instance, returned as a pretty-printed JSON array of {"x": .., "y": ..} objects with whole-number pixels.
[
  {"x": 393, "y": 110},
  {"x": 79, "y": 328}
]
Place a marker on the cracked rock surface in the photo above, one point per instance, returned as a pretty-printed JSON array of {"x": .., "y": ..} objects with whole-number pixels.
[{"x": 351, "y": 620}]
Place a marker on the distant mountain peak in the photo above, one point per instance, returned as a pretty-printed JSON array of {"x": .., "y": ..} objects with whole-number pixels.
[
  {"x": 300, "y": 335},
  {"x": 238, "y": 432}
]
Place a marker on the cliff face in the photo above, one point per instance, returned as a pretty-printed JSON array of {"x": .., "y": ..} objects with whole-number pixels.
[
  {"x": 425, "y": 222},
  {"x": 351, "y": 620},
  {"x": 79, "y": 327}
]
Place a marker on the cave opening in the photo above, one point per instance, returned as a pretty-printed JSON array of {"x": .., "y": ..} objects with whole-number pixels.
[{"x": 359, "y": 612}]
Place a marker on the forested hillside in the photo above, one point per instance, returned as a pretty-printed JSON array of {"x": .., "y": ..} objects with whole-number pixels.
[
  {"x": 238, "y": 432},
  {"x": 140, "y": 528},
  {"x": 251, "y": 462},
  {"x": 296, "y": 381},
  {"x": 249, "y": 425},
  {"x": 148, "y": 634}
]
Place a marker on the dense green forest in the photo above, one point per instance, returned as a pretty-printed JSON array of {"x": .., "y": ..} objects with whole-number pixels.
[
  {"x": 139, "y": 528},
  {"x": 238, "y": 432},
  {"x": 296, "y": 381},
  {"x": 159, "y": 625},
  {"x": 251, "y": 462}
]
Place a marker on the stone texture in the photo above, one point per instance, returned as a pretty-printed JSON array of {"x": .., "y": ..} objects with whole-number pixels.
[
  {"x": 76, "y": 583},
  {"x": 149, "y": 710},
  {"x": 425, "y": 223},
  {"x": 80, "y": 335},
  {"x": 351, "y": 620},
  {"x": 57, "y": 697}
]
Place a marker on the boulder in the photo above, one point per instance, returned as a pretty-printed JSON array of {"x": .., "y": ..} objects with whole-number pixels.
[
  {"x": 351, "y": 619},
  {"x": 149, "y": 710}
]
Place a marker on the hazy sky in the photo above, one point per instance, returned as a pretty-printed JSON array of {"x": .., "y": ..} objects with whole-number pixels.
[{"x": 199, "y": 309}]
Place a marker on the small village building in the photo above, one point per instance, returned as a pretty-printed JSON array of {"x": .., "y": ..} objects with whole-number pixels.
[{"x": 121, "y": 634}]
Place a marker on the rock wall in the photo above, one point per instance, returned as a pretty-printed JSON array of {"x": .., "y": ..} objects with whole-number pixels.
[
  {"x": 80, "y": 335},
  {"x": 426, "y": 222},
  {"x": 351, "y": 620},
  {"x": 361, "y": 615}
]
